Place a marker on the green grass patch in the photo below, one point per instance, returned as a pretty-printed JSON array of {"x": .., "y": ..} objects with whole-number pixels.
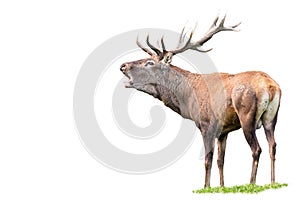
[{"x": 248, "y": 188}]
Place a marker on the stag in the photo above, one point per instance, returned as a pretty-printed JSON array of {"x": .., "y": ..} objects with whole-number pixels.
[{"x": 218, "y": 103}]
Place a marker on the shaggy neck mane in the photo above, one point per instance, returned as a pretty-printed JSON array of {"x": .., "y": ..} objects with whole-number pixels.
[
  {"x": 168, "y": 92},
  {"x": 180, "y": 70}
]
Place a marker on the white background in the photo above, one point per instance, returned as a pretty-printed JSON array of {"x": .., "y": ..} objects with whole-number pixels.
[{"x": 42, "y": 47}]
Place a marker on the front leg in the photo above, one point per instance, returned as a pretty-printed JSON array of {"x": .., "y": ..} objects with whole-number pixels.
[
  {"x": 209, "y": 143},
  {"x": 221, "y": 153}
]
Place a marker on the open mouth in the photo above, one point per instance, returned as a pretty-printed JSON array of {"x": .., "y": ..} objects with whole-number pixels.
[{"x": 129, "y": 83}]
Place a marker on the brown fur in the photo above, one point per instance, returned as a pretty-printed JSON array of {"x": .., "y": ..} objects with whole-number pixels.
[{"x": 218, "y": 103}]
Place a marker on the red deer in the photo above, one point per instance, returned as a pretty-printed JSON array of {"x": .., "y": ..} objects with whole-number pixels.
[{"x": 218, "y": 103}]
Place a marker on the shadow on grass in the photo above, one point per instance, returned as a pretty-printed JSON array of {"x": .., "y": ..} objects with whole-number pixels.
[{"x": 248, "y": 188}]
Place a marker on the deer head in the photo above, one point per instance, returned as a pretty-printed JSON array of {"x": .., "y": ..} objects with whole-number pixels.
[{"x": 146, "y": 73}]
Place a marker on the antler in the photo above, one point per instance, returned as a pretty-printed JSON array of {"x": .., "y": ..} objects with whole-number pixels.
[
  {"x": 214, "y": 28},
  {"x": 212, "y": 31},
  {"x": 156, "y": 50},
  {"x": 143, "y": 48}
]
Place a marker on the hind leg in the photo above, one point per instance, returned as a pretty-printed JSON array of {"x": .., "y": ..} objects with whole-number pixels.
[
  {"x": 269, "y": 127},
  {"x": 250, "y": 136},
  {"x": 272, "y": 150},
  {"x": 249, "y": 127},
  {"x": 245, "y": 103},
  {"x": 269, "y": 120}
]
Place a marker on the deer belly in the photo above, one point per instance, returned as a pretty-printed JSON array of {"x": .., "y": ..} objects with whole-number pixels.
[{"x": 231, "y": 121}]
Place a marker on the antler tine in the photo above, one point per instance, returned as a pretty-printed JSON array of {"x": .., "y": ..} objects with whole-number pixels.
[
  {"x": 234, "y": 26},
  {"x": 156, "y": 50},
  {"x": 185, "y": 46},
  {"x": 143, "y": 48},
  {"x": 181, "y": 37},
  {"x": 215, "y": 22},
  {"x": 222, "y": 21},
  {"x": 229, "y": 28},
  {"x": 202, "y": 51},
  {"x": 163, "y": 44},
  {"x": 214, "y": 28}
]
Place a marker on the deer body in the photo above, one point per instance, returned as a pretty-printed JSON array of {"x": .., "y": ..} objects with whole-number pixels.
[{"x": 218, "y": 103}]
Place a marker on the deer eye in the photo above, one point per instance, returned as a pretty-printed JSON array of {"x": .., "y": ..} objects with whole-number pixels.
[{"x": 150, "y": 62}]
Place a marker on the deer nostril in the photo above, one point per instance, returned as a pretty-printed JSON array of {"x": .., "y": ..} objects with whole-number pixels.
[{"x": 122, "y": 68}]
